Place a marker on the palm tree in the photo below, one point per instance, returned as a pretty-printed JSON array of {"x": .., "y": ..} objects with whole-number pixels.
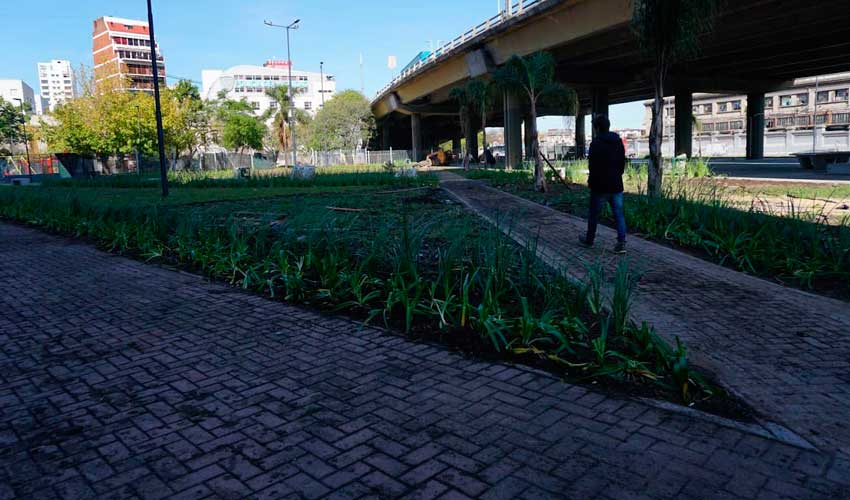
[
  {"x": 533, "y": 77},
  {"x": 460, "y": 95},
  {"x": 668, "y": 31},
  {"x": 280, "y": 122},
  {"x": 480, "y": 95}
]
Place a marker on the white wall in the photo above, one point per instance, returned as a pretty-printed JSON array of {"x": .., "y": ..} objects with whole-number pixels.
[{"x": 780, "y": 143}]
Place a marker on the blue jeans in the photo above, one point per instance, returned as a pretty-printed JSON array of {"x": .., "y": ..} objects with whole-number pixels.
[{"x": 596, "y": 202}]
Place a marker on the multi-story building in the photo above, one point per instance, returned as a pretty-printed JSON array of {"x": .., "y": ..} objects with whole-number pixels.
[
  {"x": 56, "y": 81},
  {"x": 122, "y": 54},
  {"x": 788, "y": 109},
  {"x": 17, "y": 89},
  {"x": 250, "y": 83}
]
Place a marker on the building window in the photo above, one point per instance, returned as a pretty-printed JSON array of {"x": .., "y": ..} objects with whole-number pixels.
[
  {"x": 736, "y": 105},
  {"x": 308, "y": 105},
  {"x": 722, "y": 107},
  {"x": 708, "y": 108},
  {"x": 841, "y": 95},
  {"x": 273, "y": 105},
  {"x": 786, "y": 100},
  {"x": 695, "y": 110},
  {"x": 803, "y": 99},
  {"x": 768, "y": 102},
  {"x": 822, "y": 97},
  {"x": 255, "y": 105}
]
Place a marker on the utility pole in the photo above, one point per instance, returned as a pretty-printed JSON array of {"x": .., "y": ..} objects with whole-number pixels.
[
  {"x": 292, "y": 26},
  {"x": 160, "y": 136},
  {"x": 322, "y": 78},
  {"x": 26, "y": 139}
]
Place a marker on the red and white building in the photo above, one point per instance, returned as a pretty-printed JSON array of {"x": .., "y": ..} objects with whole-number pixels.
[{"x": 121, "y": 51}]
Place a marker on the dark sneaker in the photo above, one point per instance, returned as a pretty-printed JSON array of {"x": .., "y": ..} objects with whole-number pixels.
[
  {"x": 582, "y": 240},
  {"x": 620, "y": 247}
]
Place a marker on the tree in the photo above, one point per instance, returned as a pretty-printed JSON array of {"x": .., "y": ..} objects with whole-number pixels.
[
  {"x": 109, "y": 121},
  {"x": 460, "y": 95},
  {"x": 345, "y": 122},
  {"x": 190, "y": 119},
  {"x": 481, "y": 97},
  {"x": 243, "y": 131},
  {"x": 11, "y": 122},
  {"x": 280, "y": 114},
  {"x": 668, "y": 31},
  {"x": 533, "y": 77}
]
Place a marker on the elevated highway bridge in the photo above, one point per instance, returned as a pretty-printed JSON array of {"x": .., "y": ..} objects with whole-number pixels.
[{"x": 756, "y": 46}]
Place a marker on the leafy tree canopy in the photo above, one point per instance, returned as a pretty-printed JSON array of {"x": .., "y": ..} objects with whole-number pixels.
[{"x": 345, "y": 122}]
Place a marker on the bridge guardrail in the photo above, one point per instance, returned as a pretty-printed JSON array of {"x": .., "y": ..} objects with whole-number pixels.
[{"x": 516, "y": 8}]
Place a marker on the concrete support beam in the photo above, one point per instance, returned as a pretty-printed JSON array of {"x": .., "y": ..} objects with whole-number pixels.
[
  {"x": 755, "y": 126},
  {"x": 416, "y": 136},
  {"x": 526, "y": 137},
  {"x": 599, "y": 102},
  {"x": 513, "y": 130},
  {"x": 580, "y": 137},
  {"x": 479, "y": 63},
  {"x": 684, "y": 125}
]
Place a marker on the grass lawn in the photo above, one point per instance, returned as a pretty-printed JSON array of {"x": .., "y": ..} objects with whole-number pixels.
[
  {"x": 802, "y": 242},
  {"x": 389, "y": 251}
]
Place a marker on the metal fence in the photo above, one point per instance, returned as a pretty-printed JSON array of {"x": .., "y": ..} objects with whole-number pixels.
[
  {"x": 18, "y": 165},
  {"x": 354, "y": 157}
]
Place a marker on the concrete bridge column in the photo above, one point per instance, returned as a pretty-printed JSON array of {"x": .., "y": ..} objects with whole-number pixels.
[
  {"x": 599, "y": 104},
  {"x": 456, "y": 147},
  {"x": 755, "y": 126},
  {"x": 513, "y": 130},
  {"x": 580, "y": 137},
  {"x": 527, "y": 139},
  {"x": 386, "y": 131},
  {"x": 416, "y": 136},
  {"x": 684, "y": 125}
]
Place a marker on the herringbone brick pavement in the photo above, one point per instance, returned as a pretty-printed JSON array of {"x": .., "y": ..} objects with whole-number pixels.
[{"x": 124, "y": 380}]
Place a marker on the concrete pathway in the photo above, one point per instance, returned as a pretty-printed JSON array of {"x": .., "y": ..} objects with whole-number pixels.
[
  {"x": 784, "y": 351},
  {"x": 124, "y": 380}
]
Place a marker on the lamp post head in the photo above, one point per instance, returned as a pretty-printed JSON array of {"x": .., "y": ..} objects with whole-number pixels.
[{"x": 295, "y": 24}]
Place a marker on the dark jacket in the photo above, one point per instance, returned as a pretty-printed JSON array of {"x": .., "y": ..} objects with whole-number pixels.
[{"x": 607, "y": 160}]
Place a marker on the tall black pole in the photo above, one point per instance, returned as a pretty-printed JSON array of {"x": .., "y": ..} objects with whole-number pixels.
[
  {"x": 26, "y": 139},
  {"x": 163, "y": 172}
]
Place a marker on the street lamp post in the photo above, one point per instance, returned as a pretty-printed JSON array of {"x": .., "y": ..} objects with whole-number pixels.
[
  {"x": 160, "y": 136},
  {"x": 322, "y": 78},
  {"x": 26, "y": 139},
  {"x": 292, "y": 26}
]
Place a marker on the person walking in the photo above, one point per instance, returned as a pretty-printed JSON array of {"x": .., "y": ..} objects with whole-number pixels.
[{"x": 607, "y": 162}]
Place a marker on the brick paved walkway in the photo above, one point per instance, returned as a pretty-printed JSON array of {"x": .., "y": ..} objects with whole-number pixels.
[
  {"x": 784, "y": 351},
  {"x": 122, "y": 380}
]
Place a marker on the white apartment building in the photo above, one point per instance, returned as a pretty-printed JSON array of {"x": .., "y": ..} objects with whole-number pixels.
[
  {"x": 17, "y": 89},
  {"x": 249, "y": 83},
  {"x": 56, "y": 80}
]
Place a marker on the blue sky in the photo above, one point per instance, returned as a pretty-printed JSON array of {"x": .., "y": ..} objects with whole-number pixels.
[{"x": 217, "y": 34}]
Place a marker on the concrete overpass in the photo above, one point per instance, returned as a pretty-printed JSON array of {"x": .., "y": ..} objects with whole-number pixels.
[{"x": 756, "y": 46}]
